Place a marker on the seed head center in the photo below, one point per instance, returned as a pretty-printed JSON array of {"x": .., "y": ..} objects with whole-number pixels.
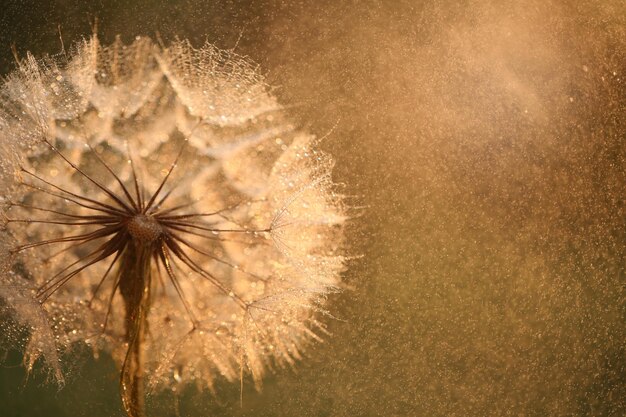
[{"x": 144, "y": 229}]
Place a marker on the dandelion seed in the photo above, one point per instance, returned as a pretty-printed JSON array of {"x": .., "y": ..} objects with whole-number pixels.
[{"x": 157, "y": 205}]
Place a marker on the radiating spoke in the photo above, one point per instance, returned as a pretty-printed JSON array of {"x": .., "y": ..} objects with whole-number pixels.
[
  {"x": 108, "y": 207},
  {"x": 104, "y": 276},
  {"x": 162, "y": 216},
  {"x": 63, "y": 222},
  {"x": 110, "y": 301},
  {"x": 88, "y": 177},
  {"x": 105, "y": 231},
  {"x": 61, "y": 213},
  {"x": 212, "y": 237},
  {"x": 106, "y": 250},
  {"x": 206, "y": 227},
  {"x": 119, "y": 181},
  {"x": 135, "y": 178},
  {"x": 180, "y": 254},
  {"x": 167, "y": 263},
  {"x": 167, "y": 176},
  {"x": 215, "y": 258}
]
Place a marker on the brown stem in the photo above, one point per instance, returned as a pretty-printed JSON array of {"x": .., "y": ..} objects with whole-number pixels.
[{"x": 134, "y": 285}]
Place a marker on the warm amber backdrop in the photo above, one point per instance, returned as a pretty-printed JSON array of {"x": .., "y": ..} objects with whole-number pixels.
[{"x": 486, "y": 141}]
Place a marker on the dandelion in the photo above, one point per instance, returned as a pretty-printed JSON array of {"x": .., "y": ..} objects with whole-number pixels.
[{"x": 157, "y": 204}]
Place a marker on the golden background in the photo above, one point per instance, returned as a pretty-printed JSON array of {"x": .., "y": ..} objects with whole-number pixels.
[{"x": 486, "y": 142}]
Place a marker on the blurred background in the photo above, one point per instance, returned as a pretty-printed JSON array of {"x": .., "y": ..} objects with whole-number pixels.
[{"x": 487, "y": 141}]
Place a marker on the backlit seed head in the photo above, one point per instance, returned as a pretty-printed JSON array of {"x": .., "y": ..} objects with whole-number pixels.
[
  {"x": 182, "y": 150},
  {"x": 144, "y": 229}
]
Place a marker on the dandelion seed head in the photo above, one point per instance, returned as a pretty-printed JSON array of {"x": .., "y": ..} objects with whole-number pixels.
[{"x": 203, "y": 167}]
